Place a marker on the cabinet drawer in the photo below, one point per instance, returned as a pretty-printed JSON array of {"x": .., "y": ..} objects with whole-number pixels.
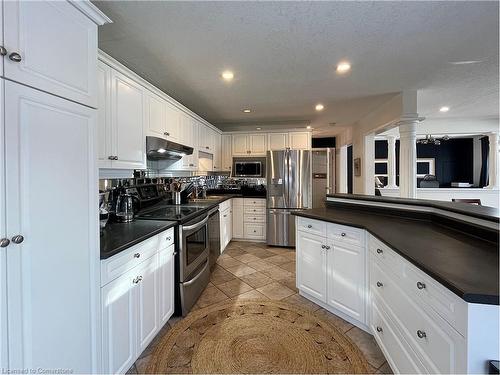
[
  {"x": 255, "y": 202},
  {"x": 166, "y": 239},
  {"x": 440, "y": 347},
  {"x": 253, "y": 210},
  {"x": 254, "y": 218},
  {"x": 257, "y": 231},
  {"x": 237, "y": 202},
  {"x": 346, "y": 234},
  {"x": 386, "y": 256},
  {"x": 225, "y": 205},
  {"x": 399, "y": 354},
  {"x": 118, "y": 264},
  {"x": 311, "y": 226}
]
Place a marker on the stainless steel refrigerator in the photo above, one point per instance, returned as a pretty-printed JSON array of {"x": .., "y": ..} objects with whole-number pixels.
[{"x": 288, "y": 189}]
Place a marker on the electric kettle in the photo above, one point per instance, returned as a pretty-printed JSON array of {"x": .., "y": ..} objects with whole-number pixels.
[{"x": 124, "y": 211}]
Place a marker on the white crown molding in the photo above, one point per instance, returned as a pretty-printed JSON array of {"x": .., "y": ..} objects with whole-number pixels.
[
  {"x": 91, "y": 11},
  {"x": 113, "y": 63}
]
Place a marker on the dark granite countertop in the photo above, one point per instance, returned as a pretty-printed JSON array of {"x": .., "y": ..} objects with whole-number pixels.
[
  {"x": 466, "y": 265},
  {"x": 117, "y": 237},
  {"x": 481, "y": 212}
]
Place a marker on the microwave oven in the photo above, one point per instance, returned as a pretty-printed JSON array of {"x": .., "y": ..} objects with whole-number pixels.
[{"x": 249, "y": 167}]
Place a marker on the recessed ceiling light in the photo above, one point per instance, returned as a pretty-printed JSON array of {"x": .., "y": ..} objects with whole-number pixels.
[
  {"x": 308, "y": 127},
  {"x": 258, "y": 128},
  {"x": 228, "y": 75},
  {"x": 343, "y": 67},
  {"x": 444, "y": 109},
  {"x": 247, "y": 110},
  {"x": 319, "y": 107}
]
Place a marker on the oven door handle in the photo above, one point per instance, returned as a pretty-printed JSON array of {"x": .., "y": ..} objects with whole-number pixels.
[
  {"x": 187, "y": 283},
  {"x": 196, "y": 226}
]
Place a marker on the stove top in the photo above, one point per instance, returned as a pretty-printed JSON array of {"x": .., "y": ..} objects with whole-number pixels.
[{"x": 170, "y": 212}]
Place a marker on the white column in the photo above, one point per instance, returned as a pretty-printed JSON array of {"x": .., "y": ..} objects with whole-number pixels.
[
  {"x": 408, "y": 158},
  {"x": 368, "y": 165},
  {"x": 342, "y": 170},
  {"x": 493, "y": 163},
  {"x": 391, "y": 162}
]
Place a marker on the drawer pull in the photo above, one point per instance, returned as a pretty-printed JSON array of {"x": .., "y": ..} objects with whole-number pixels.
[
  {"x": 420, "y": 285},
  {"x": 379, "y": 329},
  {"x": 379, "y": 284},
  {"x": 309, "y": 226},
  {"x": 380, "y": 251},
  {"x": 421, "y": 334},
  {"x": 169, "y": 238},
  {"x": 342, "y": 234},
  {"x": 253, "y": 218},
  {"x": 323, "y": 246},
  {"x": 137, "y": 280},
  {"x": 137, "y": 255},
  {"x": 327, "y": 247}
]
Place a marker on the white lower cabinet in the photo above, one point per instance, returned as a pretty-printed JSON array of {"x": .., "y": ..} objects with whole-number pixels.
[
  {"x": 238, "y": 228},
  {"x": 226, "y": 224},
  {"x": 249, "y": 219},
  {"x": 311, "y": 265},
  {"x": 136, "y": 304}
]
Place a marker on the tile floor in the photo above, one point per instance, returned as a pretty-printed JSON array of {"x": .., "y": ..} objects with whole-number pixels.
[{"x": 251, "y": 270}]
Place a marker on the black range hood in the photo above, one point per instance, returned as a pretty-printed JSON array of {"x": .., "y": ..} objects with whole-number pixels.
[{"x": 161, "y": 149}]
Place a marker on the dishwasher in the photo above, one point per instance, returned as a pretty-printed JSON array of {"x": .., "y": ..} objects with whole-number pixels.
[{"x": 214, "y": 235}]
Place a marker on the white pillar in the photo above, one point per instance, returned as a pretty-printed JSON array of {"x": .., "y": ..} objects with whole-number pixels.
[
  {"x": 342, "y": 170},
  {"x": 408, "y": 158},
  {"x": 493, "y": 163},
  {"x": 368, "y": 165},
  {"x": 391, "y": 162}
]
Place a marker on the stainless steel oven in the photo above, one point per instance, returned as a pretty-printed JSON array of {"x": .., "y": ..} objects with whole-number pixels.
[
  {"x": 249, "y": 167},
  {"x": 194, "y": 268}
]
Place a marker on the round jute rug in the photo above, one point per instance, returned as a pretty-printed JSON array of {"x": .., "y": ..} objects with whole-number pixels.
[{"x": 251, "y": 337}]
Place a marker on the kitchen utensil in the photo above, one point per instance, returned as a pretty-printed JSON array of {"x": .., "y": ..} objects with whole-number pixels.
[{"x": 125, "y": 208}]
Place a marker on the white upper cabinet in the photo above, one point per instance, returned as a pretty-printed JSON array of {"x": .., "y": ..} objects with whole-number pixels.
[
  {"x": 155, "y": 115},
  {"x": 226, "y": 152},
  {"x": 104, "y": 141},
  {"x": 173, "y": 118},
  {"x": 277, "y": 141},
  {"x": 127, "y": 117},
  {"x": 52, "y": 46},
  {"x": 258, "y": 144},
  {"x": 300, "y": 140},
  {"x": 217, "y": 154},
  {"x": 240, "y": 144}
]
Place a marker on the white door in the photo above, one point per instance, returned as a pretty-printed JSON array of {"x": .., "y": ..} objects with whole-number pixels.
[
  {"x": 311, "y": 265},
  {"x": 166, "y": 284},
  {"x": 57, "y": 47},
  {"x": 346, "y": 279},
  {"x": 240, "y": 144},
  {"x": 258, "y": 144},
  {"x": 300, "y": 140},
  {"x": 127, "y": 118},
  {"x": 147, "y": 302},
  {"x": 3, "y": 238},
  {"x": 119, "y": 323},
  {"x": 238, "y": 228},
  {"x": 227, "y": 153},
  {"x": 277, "y": 141},
  {"x": 172, "y": 123},
  {"x": 104, "y": 135},
  {"x": 52, "y": 188},
  {"x": 155, "y": 115}
]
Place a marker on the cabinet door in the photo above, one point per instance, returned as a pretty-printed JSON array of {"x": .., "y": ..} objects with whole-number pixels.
[
  {"x": 277, "y": 141},
  {"x": 258, "y": 144},
  {"x": 311, "y": 265},
  {"x": 50, "y": 312},
  {"x": 3, "y": 235},
  {"x": 347, "y": 279},
  {"x": 147, "y": 302},
  {"x": 186, "y": 130},
  {"x": 230, "y": 226},
  {"x": 127, "y": 117},
  {"x": 217, "y": 152},
  {"x": 240, "y": 144},
  {"x": 172, "y": 123},
  {"x": 166, "y": 284},
  {"x": 119, "y": 323},
  {"x": 300, "y": 140},
  {"x": 155, "y": 115},
  {"x": 58, "y": 48},
  {"x": 104, "y": 141},
  {"x": 238, "y": 228},
  {"x": 227, "y": 153}
]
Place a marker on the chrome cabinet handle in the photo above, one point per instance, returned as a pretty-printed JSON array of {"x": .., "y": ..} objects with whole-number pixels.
[
  {"x": 137, "y": 280},
  {"x": 137, "y": 255},
  {"x": 14, "y": 56},
  {"x": 309, "y": 226},
  {"x": 166, "y": 133},
  {"x": 342, "y": 234},
  {"x": 323, "y": 246},
  {"x": 3, "y": 51},
  {"x": 116, "y": 157},
  {"x": 380, "y": 251},
  {"x": 420, "y": 285},
  {"x": 327, "y": 247},
  {"x": 421, "y": 334},
  {"x": 226, "y": 216},
  {"x": 208, "y": 148},
  {"x": 169, "y": 238},
  {"x": 379, "y": 329},
  {"x": 4, "y": 242},
  {"x": 111, "y": 157},
  {"x": 17, "y": 239},
  {"x": 379, "y": 284}
]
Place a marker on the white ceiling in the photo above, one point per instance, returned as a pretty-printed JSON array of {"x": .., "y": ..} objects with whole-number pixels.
[{"x": 284, "y": 55}]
